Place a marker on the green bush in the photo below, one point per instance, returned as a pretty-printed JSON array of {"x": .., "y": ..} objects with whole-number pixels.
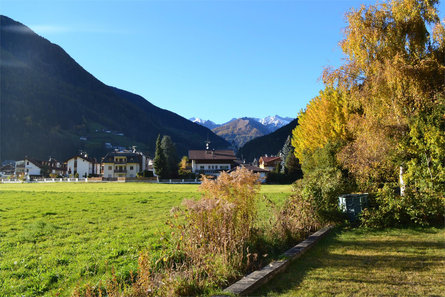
[
  {"x": 322, "y": 188},
  {"x": 388, "y": 209},
  {"x": 145, "y": 173}
]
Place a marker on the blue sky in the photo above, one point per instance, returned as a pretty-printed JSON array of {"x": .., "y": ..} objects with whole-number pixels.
[{"x": 211, "y": 59}]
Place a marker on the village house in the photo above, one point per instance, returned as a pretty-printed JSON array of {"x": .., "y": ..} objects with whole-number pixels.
[
  {"x": 33, "y": 168},
  {"x": 83, "y": 165},
  {"x": 123, "y": 164},
  {"x": 28, "y": 167},
  {"x": 269, "y": 163},
  {"x": 52, "y": 166},
  {"x": 211, "y": 162}
]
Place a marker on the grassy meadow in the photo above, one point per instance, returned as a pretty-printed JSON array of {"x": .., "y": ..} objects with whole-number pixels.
[
  {"x": 360, "y": 262},
  {"x": 59, "y": 235}
]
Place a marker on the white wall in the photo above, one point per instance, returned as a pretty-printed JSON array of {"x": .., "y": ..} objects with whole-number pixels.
[
  {"x": 198, "y": 166},
  {"x": 108, "y": 170},
  {"x": 83, "y": 166},
  {"x": 31, "y": 168},
  {"x": 130, "y": 172},
  {"x": 134, "y": 171}
]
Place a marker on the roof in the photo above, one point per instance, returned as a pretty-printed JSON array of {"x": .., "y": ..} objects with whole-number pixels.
[
  {"x": 255, "y": 169},
  {"x": 35, "y": 162},
  {"x": 91, "y": 160},
  {"x": 131, "y": 157},
  {"x": 210, "y": 155},
  {"x": 269, "y": 160}
]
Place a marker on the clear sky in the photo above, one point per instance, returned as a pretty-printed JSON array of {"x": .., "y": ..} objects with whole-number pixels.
[{"x": 211, "y": 59}]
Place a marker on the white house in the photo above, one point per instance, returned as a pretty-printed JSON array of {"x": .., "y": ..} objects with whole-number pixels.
[
  {"x": 211, "y": 162},
  {"x": 81, "y": 164},
  {"x": 28, "y": 167},
  {"x": 123, "y": 164}
]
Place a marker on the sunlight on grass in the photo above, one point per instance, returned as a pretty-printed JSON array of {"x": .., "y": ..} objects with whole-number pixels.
[
  {"x": 54, "y": 236},
  {"x": 364, "y": 262}
]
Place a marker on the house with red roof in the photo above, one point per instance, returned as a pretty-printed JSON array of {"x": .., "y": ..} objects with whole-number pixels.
[{"x": 269, "y": 163}]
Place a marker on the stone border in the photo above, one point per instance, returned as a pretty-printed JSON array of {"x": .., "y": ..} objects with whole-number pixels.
[{"x": 253, "y": 281}]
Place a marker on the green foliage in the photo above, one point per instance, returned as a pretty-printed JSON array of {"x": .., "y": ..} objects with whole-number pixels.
[
  {"x": 425, "y": 146},
  {"x": 171, "y": 158},
  {"x": 323, "y": 187},
  {"x": 289, "y": 170},
  {"x": 292, "y": 167},
  {"x": 159, "y": 161},
  {"x": 414, "y": 208},
  {"x": 145, "y": 173}
]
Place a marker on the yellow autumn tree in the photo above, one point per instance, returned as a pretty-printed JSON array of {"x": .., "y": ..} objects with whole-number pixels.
[{"x": 323, "y": 120}]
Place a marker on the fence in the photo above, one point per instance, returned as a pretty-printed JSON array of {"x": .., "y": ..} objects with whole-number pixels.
[
  {"x": 100, "y": 179},
  {"x": 179, "y": 181},
  {"x": 43, "y": 180}
]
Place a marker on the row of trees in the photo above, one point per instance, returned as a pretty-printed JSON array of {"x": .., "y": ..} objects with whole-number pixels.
[
  {"x": 165, "y": 161},
  {"x": 379, "y": 123}
]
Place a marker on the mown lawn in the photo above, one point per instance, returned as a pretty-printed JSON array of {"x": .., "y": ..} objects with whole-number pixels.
[
  {"x": 358, "y": 262},
  {"x": 56, "y": 236}
]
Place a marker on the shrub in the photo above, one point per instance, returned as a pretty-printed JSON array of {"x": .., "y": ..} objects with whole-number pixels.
[
  {"x": 387, "y": 209},
  {"x": 145, "y": 173}
]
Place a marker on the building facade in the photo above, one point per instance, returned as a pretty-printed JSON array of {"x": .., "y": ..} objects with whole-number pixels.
[
  {"x": 211, "y": 162},
  {"x": 123, "y": 164},
  {"x": 28, "y": 167},
  {"x": 83, "y": 165}
]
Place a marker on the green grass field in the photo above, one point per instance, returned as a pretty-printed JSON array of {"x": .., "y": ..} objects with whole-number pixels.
[
  {"x": 56, "y": 236},
  {"x": 359, "y": 262}
]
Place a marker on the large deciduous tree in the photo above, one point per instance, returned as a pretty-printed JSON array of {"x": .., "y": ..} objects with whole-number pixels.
[{"x": 379, "y": 104}]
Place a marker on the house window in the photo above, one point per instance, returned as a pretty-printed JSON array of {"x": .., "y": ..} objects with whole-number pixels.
[
  {"x": 131, "y": 167},
  {"x": 27, "y": 163},
  {"x": 110, "y": 168},
  {"x": 201, "y": 167}
]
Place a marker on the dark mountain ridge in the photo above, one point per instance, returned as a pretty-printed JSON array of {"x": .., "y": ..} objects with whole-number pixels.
[
  {"x": 269, "y": 144},
  {"x": 48, "y": 102}
]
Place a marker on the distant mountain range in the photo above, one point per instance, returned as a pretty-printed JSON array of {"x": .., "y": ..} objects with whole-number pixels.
[
  {"x": 269, "y": 144},
  {"x": 51, "y": 106},
  {"x": 238, "y": 131}
]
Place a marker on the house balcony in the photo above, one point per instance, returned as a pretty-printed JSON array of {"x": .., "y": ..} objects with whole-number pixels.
[
  {"x": 120, "y": 171},
  {"x": 210, "y": 171},
  {"x": 120, "y": 161}
]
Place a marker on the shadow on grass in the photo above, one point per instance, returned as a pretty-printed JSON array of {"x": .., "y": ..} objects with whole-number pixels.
[{"x": 354, "y": 255}]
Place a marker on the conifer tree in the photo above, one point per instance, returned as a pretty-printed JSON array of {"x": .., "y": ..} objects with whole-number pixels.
[
  {"x": 171, "y": 158},
  {"x": 160, "y": 162}
]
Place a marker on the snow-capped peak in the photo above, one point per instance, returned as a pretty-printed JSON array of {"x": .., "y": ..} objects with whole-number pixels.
[
  {"x": 275, "y": 121},
  {"x": 206, "y": 123}
]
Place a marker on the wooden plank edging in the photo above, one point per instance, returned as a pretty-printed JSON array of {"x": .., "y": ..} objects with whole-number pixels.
[{"x": 260, "y": 277}]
